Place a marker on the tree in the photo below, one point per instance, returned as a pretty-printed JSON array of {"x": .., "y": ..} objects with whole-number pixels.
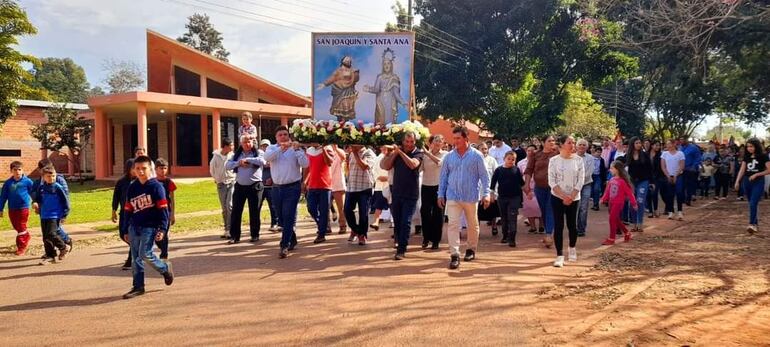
[
  {"x": 476, "y": 60},
  {"x": 738, "y": 133},
  {"x": 123, "y": 76},
  {"x": 61, "y": 78},
  {"x": 402, "y": 19},
  {"x": 202, "y": 36},
  {"x": 584, "y": 117},
  {"x": 13, "y": 24},
  {"x": 64, "y": 129}
]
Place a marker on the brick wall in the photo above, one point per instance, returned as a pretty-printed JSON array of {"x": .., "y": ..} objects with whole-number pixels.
[
  {"x": 16, "y": 135},
  {"x": 117, "y": 149}
]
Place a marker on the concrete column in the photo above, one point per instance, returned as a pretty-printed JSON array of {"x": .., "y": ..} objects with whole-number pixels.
[
  {"x": 204, "y": 87},
  {"x": 216, "y": 128},
  {"x": 141, "y": 125},
  {"x": 285, "y": 120},
  {"x": 204, "y": 140},
  {"x": 100, "y": 145}
]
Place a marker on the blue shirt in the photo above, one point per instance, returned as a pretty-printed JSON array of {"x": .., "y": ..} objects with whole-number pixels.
[
  {"x": 146, "y": 205},
  {"x": 597, "y": 166},
  {"x": 692, "y": 157},
  {"x": 17, "y": 193},
  {"x": 53, "y": 201},
  {"x": 285, "y": 166},
  {"x": 59, "y": 179},
  {"x": 460, "y": 176},
  {"x": 251, "y": 174}
]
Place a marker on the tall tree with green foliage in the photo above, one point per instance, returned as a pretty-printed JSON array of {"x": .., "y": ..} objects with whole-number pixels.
[
  {"x": 202, "y": 36},
  {"x": 62, "y": 79},
  {"x": 402, "y": 19},
  {"x": 65, "y": 129},
  {"x": 13, "y": 25},
  {"x": 476, "y": 59},
  {"x": 584, "y": 117}
]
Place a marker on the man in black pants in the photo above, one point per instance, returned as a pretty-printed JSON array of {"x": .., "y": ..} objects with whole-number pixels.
[{"x": 247, "y": 165}]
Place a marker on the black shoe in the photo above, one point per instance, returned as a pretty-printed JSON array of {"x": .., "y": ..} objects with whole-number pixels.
[
  {"x": 328, "y": 231},
  {"x": 292, "y": 245},
  {"x": 454, "y": 262},
  {"x": 494, "y": 231},
  {"x": 532, "y": 231},
  {"x": 581, "y": 234},
  {"x": 134, "y": 292},
  {"x": 595, "y": 208},
  {"x": 319, "y": 239},
  {"x": 434, "y": 246},
  {"x": 504, "y": 239},
  {"x": 224, "y": 237},
  {"x": 284, "y": 253},
  {"x": 418, "y": 229},
  {"x": 376, "y": 227},
  {"x": 254, "y": 239},
  {"x": 424, "y": 244},
  {"x": 541, "y": 230},
  {"x": 70, "y": 246},
  {"x": 127, "y": 265},
  {"x": 512, "y": 243},
  {"x": 232, "y": 242},
  {"x": 168, "y": 276},
  {"x": 469, "y": 255},
  {"x": 399, "y": 256},
  {"x": 618, "y": 232}
]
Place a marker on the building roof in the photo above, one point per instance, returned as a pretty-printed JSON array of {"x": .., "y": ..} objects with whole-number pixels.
[
  {"x": 157, "y": 41},
  {"x": 49, "y": 104}
]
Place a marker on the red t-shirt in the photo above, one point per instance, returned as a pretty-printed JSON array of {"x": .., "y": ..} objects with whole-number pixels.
[{"x": 319, "y": 174}]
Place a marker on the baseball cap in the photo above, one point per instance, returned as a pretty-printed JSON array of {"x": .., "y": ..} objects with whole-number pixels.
[{"x": 264, "y": 142}]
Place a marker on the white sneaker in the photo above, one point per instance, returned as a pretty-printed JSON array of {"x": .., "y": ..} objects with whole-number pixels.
[
  {"x": 679, "y": 216},
  {"x": 751, "y": 228},
  {"x": 559, "y": 262},
  {"x": 572, "y": 254},
  {"x": 671, "y": 215}
]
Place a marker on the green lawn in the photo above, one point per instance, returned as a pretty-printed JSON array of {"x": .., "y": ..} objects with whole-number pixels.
[{"x": 91, "y": 202}]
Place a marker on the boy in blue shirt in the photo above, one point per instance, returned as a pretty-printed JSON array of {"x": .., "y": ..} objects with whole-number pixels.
[
  {"x": 147, "y": 212},
  {"x": 63, "y": 183},
  {"x": 17, "y": 190},
  {"x": 52, "y": 204}
]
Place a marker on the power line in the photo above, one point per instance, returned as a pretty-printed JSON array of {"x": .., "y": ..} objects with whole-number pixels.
[
  {"x": 294, "y": 13},
  {"x": 260, "y": 15},
  {"x": 235, "y": 15},
  {"x": 440, "y": 50},
  {"x": 316, "y": 7},
  {"x": 440, "y": 41},
  {"x": 418, "y": 53},
  {"x": 442, "y": 31}
]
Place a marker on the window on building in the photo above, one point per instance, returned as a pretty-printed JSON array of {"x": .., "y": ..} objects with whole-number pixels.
[
  {"x": 186, "y": 82},
  {"x": 188, "y": 140},
  {"x": 218, "y": 90},
  {"x": 268, "y": 128},
  {"x": 10, "y": 153}
]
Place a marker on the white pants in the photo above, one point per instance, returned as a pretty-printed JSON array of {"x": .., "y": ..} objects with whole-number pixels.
[{"x": 455, "y": 210}]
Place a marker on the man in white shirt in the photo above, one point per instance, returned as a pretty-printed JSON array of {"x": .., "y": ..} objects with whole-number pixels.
[
  {"x": 225, "y": 180},
  {"x": 498, "y": 150}
]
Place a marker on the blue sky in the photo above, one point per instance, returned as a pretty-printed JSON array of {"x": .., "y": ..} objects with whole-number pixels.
[{"x": 91, "y": 31}]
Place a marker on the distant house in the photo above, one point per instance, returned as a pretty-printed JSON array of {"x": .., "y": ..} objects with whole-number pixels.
[
  {"x": 193, "y": 100},
  {"x": 17, "y": 143},
  {"x": 444, "y": 127}
]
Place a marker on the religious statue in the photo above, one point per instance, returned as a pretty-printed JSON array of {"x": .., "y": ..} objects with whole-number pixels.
[
  {"x": 387, "y": 88},
  {"x": 344, "y": 95}
]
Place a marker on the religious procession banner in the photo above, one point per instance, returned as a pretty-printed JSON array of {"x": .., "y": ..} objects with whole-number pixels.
[{"x": 363, "y": 76}]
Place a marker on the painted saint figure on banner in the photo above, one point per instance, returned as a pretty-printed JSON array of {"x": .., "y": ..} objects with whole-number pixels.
[
  {"x": 344, "y": 95},
  {"x": 387, "y": 88}
]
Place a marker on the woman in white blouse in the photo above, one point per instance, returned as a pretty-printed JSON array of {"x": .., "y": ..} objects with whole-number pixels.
[{"x": 566, "y": 174}]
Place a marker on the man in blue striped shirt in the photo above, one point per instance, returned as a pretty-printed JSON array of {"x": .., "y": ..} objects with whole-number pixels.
[{"x": 462, "y": 171}]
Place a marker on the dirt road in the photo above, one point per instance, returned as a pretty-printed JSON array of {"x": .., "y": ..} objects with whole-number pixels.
[{"x": 699, "y": 282}]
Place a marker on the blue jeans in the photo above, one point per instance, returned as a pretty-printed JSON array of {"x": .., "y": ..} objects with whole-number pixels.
[
  {"x": 690, "y": 184},
  {"x": 670, "y": 191},
  {"x": 142, "y": 240},
  {"x": 754, "y": 191},
  {"x": 596, "y": 189},
  {"x": 361, "y": 199},
  {"x": 402, "y": 210},
  {"x": 641, "y": 189},
  {"x": 267, "y": 195},
  {"x": 543, "y": 196},
  {"x": 318, "y": 207},
  {"x": 286, "y": 198},
  {"x": 63, "y": 234},
  {"x": 582, "y": 217}
]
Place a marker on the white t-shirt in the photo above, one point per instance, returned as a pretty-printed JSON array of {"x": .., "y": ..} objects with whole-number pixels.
[
  {"x": 431, "y": 171},
  {"x": 499, "y": 153},
  {"x": 379, "y": 172},
  {"x": 568, "y": 174},
  {"x": 672, "y": 161}
]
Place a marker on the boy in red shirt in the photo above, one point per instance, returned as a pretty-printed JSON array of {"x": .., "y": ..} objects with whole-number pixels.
[{"x": 319, "y": 187}]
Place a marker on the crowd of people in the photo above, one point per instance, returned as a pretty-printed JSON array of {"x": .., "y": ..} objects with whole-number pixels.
[{"x": 552, "y": 182}]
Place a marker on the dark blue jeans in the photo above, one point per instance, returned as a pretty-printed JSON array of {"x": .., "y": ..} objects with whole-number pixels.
[
  {"x": 267, "y": 195},
  {"x": 63, "y": 234},
  {"x": 544, "y": 198},
  {"x": 596, "y": 190},
  {"x": 641, "y": 189},
  {"x": 754, "y": 191},
  {"x": 318, "y": 207},
  {"x": 690, "y": 184},
  {"x": 142, "y": 240},
  {"x": 656, "y": 189},
  {"x": 286, "y": 199},
  {"x": 360, "y": 199},
  {"x": 402, "y": 210},
  {"x": 674, "y": 190}
]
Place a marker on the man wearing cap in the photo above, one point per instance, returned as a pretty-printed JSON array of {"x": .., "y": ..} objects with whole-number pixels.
[{"x": 267, "y": 180}]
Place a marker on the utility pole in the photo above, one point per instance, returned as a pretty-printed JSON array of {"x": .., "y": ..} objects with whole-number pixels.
[
  {"x": 616, "y": 100},
  {"x": 410, "y": 18}
]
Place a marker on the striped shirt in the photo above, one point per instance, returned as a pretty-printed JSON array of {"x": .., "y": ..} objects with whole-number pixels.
[
  {"x": 460, "y": 176},
  {"x": 358, "y": 178}
]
